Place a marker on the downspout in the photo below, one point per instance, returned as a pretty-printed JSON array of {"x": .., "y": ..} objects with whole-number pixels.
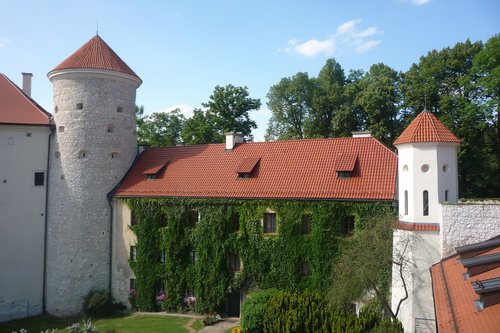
[
  {"x": 110, "y": 284},
  {"x": 44, "y": 285}
]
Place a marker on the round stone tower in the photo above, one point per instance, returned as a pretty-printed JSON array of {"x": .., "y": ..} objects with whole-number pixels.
[{"x": 95, "y": 144}]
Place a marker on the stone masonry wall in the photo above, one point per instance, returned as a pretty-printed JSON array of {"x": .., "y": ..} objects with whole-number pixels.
[{"x": 467, "y": 223}]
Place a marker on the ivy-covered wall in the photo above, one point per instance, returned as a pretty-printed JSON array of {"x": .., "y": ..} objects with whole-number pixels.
[{"x": 291, "y": 259}]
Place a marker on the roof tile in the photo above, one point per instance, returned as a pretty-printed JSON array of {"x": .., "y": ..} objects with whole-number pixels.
[
  {"x": 17, "y": 108},
  {"x": 426, "y": 128},
  {"x": 96, "y": 54},
  {"x": 302, "y": 169}
]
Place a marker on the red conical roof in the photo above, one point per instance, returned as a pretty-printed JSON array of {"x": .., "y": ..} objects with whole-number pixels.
[
  {"x": 426, "y": 128},
  {"x": 96, "y": 54}
]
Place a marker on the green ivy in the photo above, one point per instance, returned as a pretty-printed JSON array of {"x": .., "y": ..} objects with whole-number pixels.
[{"x": 268, "y": 261}]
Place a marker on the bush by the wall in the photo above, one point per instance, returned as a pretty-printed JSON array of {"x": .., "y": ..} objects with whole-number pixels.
[
  {"x": 252, "y": 313},
  {"x": 98, "y": 303}
]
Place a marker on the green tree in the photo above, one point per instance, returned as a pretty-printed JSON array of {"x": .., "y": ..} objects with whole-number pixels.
[
  {"x": 487, "y": 68},
  {"x": 365, "y": 264},
  {"x": 352, "y": 116},
  {"x": 445, "y": 83},
  {"x": 200, "y": 128},
  {"x": 228, "y": 108},
  {"x": 140, "y": 118},
  {"x": 327, "y": 102},
  {"x": 162, "y": 128},
  {"x": 290, "y": 102},
  {"x": 379, "y": 98}
]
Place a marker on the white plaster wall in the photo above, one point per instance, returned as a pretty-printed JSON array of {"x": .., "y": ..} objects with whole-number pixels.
[
  {"x": 79, "y": 249},
  {"x": 123, "y": 238},
  {"x": 435, "y": 181},
  {"x": 468, "y": 223},
  {"x": 22, "y": 219},
  {"x": 418, "y": 251}
]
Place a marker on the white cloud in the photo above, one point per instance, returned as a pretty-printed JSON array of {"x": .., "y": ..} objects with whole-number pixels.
[
  {"x": 367, "y": 46},
  {"x": 314, "y": 47},
  {"x": 419, "y": 2},
  {"x": 348, "y": 37},
  {"x": 186, "y": 110}
]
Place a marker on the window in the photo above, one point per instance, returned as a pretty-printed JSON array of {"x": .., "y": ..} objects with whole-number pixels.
[
  {"x": 133, "y": 253},
  {"x": 243, "y": 175},
  {"x": 57, "y": 154},
  {"x": 134, "y": 220},
  {"x": 160, "y": 287},
  {"x": 406, "y": 202},
  {"x": 133, "y": 284},
  {"x": 426, "y": 203},
  {"x": 234, "y": 262},
  {"x": 307, "y": 223},
  {"x": 110, "y": 129},
  {"x": 193, "y": 257},
  {"x": 163, "y": 256},
  {"x": 60, "y": 129},
  {"x": 163, "y": 220},
  {"x": 28, "y": 135},
  {"x": 39, "y": 178},
  {"x": 425, "y": 168},
  {"x": 119, "y": 109},
  {"x": 56, "y": 109},
  {"x": 151, "y": 176},
  {"x": 445, "y": 195},
  {"x": 349, "y": 222},
  {"x": 270, "y": 223},
  {"x": 305, "y": 270},
  {"x": 235, "y": 222},
  {"x": 79, "y": 106},
  {"x": 194, "y": 217},
  {"x": 344, "y": 174},
  {"x": 114, "y": 155}
]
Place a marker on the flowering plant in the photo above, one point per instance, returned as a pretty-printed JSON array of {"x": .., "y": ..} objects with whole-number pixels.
[
  {"x": 190, "y": 300},
  {"x": 211, "y": 319},
  {"x": 132, "y": 296},
  {"x": 161, "y": 297}
]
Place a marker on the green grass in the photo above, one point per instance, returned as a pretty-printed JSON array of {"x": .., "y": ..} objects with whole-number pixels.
[{"x": 124, "y": 324}]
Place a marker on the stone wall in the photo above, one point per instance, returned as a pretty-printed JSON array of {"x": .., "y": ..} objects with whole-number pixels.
[{"x": 467, "y": 223}]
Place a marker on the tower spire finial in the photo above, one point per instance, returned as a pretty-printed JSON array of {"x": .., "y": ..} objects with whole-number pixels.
[{"x": 97, "y": 28}]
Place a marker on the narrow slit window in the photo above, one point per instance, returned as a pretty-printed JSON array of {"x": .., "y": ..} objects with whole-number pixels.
[
  {"x": 119, "y": 109},
  {"x": 234, "y": 262},
  {"x": 445, "y": 195},
  {"x": 235, "y": 222},
  {"x": 307, "y": 223},
  {"x": 79, "y": 106},
  {"x": 163, "y": 256},
  {"x": 406, "y": 202},
  {"x": 194, "y": 217},
  {"x": 133, "y": 253},
  {"x": 349, "y": 222},
  {"x": 426, "y": 203}
]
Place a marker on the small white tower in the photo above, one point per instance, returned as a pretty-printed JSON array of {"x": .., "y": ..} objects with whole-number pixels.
[
  {"x": 95, "y": 144},
  {"x": 427, "y": 176}
]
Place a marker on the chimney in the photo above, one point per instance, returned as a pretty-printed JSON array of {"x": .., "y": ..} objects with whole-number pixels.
[
  {"x": 27, "y": 83},
  {"x": 232, "y": 138},
  {"x": 361, "y": 134}
]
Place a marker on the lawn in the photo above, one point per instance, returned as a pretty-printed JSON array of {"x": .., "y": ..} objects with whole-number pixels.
[{"x": 123, "y": 324}]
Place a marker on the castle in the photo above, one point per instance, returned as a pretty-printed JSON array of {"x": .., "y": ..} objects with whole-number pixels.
[{"x": 73, "y": 238}]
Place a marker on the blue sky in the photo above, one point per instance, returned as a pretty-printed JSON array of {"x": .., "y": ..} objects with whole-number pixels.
[{"x": 183, "y": 49}]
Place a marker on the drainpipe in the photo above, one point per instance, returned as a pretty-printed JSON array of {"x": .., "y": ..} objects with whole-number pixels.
[
  {"x": 110, "y": 285},
  {"x": 44, "y": 287}
]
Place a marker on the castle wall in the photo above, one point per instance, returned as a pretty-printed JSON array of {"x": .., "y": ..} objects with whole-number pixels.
[
  {"x": 468, "y": 223},
  {"x": 123, "y": 238},
  {"x": 23, "y": 151},
  {"x": 94, "y": 147}
]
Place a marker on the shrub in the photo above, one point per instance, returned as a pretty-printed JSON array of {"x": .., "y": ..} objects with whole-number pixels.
[
  {"x": 98, "y": 303},
  {"x": 252, "y": 313}
]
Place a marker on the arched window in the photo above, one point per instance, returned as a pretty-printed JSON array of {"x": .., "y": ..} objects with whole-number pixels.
[
  {"x": 406, "y": 202},
  {"x": 426, "y": 202}
]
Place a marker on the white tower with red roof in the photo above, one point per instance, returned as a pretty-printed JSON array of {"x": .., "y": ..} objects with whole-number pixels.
[
  {"x": 95, "y": 144},
  {"x": 427, "y": 177}
]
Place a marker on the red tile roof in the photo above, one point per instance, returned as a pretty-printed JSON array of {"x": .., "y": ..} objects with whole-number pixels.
[
  {"x": 417, "y": 226},
  {"x": 303, "y": 169},
  {"x": 96, "y": 54},
  {"x": 247, "y": 165},
  {"x": 346, "y": 162},
  {"x": 454, "y": 298},
  {"x": 17, "y": 108},
  {"x": 426, "y": 128}
]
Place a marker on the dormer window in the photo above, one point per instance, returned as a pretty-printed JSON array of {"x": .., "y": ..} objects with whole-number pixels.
[
  {"x": 155, "y": 171},
  {"x": 345, "y": 165},
  {"x": 247, "y": 167}
]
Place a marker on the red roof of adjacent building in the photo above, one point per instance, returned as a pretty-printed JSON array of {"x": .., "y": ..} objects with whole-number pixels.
[
  {"x": 426, "y": 128},
  {"x": 96, "y": 54},
  {"x": 17, "y": 108},
  {"x": 417, "y": 226},
  {"x": 302, "y": 169},
  {"x": 454, "y": 297}
]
